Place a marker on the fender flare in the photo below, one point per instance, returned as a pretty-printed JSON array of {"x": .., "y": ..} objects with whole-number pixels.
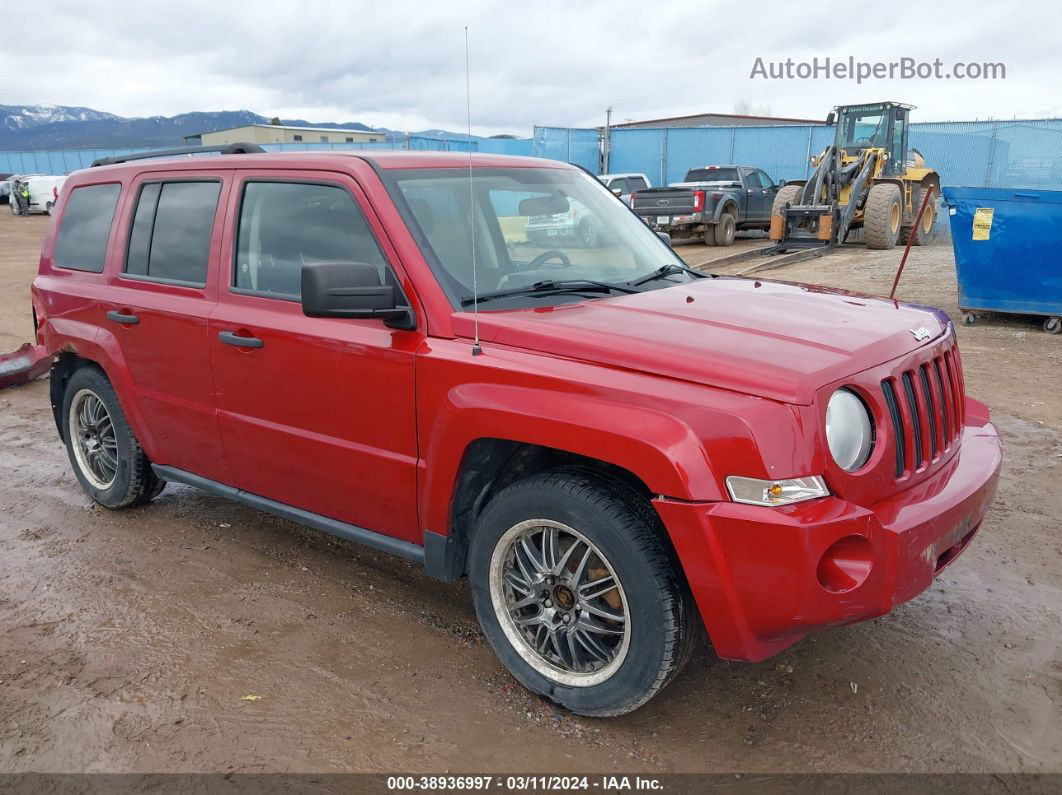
[
  {"x": 100, "y": 347},
  {"x": 674, "y": 464},
  {"x": 727, "y": 202}
]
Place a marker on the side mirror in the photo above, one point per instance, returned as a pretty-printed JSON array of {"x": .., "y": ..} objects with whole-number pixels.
[
  {"x": 618, "y": 191},
  {"x": 831, "y": 119},
  {"x": 665, "y": 237},
  {"x": 351, "y": 290}
]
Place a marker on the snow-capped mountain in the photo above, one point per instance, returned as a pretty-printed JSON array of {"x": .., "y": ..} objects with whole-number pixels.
[
  {"x": 24, "y": 117},
  {"x": 30, "y": 127},
  {"x": 27, "y": 127}
]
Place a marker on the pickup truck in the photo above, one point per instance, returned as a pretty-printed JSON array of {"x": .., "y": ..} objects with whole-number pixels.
[
  {"x": 608, "y": 445},
  {"x": 712, "y": 203}
]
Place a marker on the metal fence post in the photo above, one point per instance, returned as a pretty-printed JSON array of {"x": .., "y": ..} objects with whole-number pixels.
[
  {"x": 733, "y": 139},
  {"x": 667, "y": 142},
  {"x": 569, "y": 158},
  {"x": 991, "y": 157},
  {"x": 807, "y": 159}
]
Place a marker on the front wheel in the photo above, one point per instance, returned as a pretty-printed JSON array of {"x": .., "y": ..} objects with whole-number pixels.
[
  {"x": 882, "y": 215},
  {"x": 104, "y": 452},
  {"x": 576, "y": 592}
]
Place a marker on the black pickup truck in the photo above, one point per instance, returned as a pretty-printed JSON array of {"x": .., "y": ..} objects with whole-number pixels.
[{"x": 712, "y": 203}]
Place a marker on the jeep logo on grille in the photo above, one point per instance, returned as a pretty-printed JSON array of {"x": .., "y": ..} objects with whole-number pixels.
[
  {"x": 662, "y": 202},
  {"x": 921, "y": 333}
]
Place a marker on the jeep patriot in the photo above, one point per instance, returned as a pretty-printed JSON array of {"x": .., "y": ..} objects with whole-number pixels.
[{"x": 613, "y": 448}]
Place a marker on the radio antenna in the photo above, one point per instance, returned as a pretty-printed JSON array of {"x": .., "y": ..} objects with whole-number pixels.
[{"x": 476, "y": 349}]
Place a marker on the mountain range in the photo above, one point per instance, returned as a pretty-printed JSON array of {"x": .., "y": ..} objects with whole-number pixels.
[{"x": 32, "y": 127}]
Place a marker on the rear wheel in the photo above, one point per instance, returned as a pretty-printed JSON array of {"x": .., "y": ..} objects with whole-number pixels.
[
  {"x": 576, "y": 592},
  {"x": 923, "y": 234},
  {"x": 725, "y": 229},
  {"x": 105, "y": 454},
  {"x": 587, "y": 233},
  {"x": 1053, "y": 325},
  {"x": 882, "y": 215}
]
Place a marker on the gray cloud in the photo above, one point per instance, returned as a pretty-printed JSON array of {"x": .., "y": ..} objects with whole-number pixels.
[{"x": 400, "y": 64}]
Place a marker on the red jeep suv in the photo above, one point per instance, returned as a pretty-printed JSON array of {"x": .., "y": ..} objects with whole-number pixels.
[{"x": 605, "y": 442}]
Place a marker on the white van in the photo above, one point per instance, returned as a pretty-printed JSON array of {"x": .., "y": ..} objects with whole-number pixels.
[{"x": 44, "y": 192}]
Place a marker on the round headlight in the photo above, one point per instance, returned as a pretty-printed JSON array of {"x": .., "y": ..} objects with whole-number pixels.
[{"x": 849, "y": 430}]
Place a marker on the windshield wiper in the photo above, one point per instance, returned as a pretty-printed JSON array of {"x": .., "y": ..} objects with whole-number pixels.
[
  {"x": 551, "y": 286},
  {"x": 668, "y": 270}
]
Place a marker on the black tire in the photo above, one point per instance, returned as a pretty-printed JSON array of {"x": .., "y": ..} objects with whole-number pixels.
[
  {"x": 725, "y": 230},
  {"x": 133, "y": 482},
  {"x": 627, "y": 532},
  {"x": 882, "y": 216},
  {"x": 587, "y": 234},
  {"x": 1053, "y": 325},
  {"x": 709, "y": 235},
  {"x": 924, "y": 234},
  {"x": 786, "y": 195}
]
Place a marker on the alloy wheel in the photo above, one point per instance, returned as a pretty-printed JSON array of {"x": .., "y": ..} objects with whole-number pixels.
[
  {"x": 94, "y": 439},
  {"x": 559, "y": 602}
]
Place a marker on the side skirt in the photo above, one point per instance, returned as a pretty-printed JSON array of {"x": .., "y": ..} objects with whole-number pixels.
[{"x": 369, "y": 538}]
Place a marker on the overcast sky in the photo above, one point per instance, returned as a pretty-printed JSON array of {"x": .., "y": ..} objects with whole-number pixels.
[{"x": 401, "y": 64}]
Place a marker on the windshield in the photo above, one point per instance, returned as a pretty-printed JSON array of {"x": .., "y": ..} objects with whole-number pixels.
[
  {"x": 862, "y": 129},
  {"x": 532, "y": 225},
  {"x": 713, "y": 175}
]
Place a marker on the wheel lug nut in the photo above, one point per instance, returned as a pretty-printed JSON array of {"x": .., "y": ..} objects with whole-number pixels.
[
  {"x": 549, "y": 603},
  {"x": 566, "y": 619}
]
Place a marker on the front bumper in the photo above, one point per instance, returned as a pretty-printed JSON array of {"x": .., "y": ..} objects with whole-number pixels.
[{"x": 763, "y": 578}]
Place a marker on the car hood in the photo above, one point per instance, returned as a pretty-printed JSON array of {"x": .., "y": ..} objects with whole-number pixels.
[{"x": 772, "y": 339}]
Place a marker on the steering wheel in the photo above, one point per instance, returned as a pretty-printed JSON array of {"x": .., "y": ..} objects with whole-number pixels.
[
  {"x": 546, "y": 256},
  {"x": 866, "y": 140}
]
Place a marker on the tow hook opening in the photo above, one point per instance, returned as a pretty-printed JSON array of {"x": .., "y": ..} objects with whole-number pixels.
[
  {"x": 952, "y": 552},
  {"x": 846, "y": 564}
]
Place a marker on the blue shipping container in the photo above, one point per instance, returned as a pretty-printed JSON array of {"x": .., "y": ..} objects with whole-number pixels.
[{"x": 1008, "y": 251}]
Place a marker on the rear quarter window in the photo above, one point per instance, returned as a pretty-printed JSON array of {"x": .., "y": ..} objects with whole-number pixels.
[
  {"x": 170, "y": 237},
  {"x": 85, "y": 226}
]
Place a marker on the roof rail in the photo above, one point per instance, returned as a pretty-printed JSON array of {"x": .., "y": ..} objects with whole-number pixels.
[{"x": 224, "y": 149}]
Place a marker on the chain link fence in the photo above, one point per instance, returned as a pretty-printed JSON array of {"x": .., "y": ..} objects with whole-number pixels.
[{"x": 994, "y": 154}]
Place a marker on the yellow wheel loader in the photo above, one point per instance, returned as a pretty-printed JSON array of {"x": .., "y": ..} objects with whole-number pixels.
[{"x": 866, "y": 179}]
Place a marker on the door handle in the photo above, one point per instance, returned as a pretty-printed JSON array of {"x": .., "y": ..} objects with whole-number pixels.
[
  {"x": 123, "y": 318},
  {"x": 231, "y": 338}
]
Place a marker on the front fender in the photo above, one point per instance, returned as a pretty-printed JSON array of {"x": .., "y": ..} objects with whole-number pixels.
[{"x": 658, "y": 448}]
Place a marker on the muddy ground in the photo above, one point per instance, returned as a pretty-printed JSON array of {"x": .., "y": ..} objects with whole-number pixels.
[{"x": 129, "y": 640}]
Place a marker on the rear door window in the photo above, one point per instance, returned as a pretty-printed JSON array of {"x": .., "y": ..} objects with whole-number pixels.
[
  {"x": 170, "y": 237},
  {"x": 636, "y": 184},
  {"x": 284, "y": 225},
  {"x": 86, "y": 225}
]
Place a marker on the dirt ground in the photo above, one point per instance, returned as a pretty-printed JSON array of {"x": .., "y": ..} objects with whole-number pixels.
[{"x": 129, "y": 640}]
